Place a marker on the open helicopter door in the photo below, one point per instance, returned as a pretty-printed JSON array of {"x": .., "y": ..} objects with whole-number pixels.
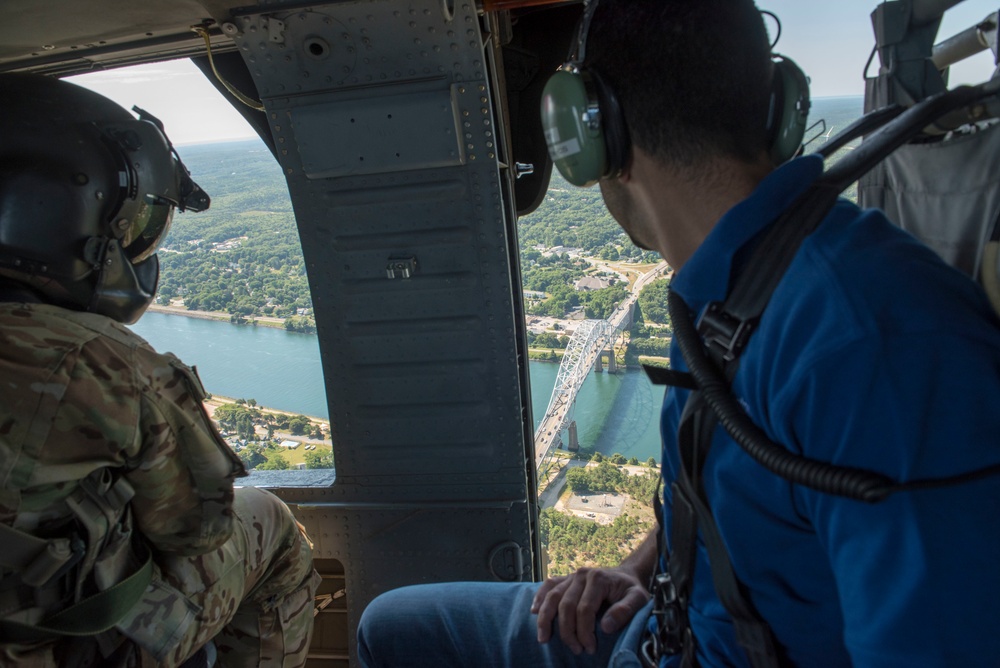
[
  {"x": 387, "y": 126},
  {"x": 943, "y": 188}
]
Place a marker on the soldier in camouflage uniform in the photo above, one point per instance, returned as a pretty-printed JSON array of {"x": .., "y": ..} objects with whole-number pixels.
[{"x": 121, "y": 539}]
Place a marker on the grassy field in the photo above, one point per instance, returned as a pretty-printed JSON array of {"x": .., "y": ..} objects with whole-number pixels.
[{"x": 297, "y": 455}]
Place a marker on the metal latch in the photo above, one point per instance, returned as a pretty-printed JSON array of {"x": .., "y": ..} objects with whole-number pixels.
[
  {"x": 507, "y": 562},
  {"x": 401, "y": 267}
]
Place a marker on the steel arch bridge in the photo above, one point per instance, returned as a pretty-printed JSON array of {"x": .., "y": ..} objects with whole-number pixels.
[{"x": 590, "y": 338}]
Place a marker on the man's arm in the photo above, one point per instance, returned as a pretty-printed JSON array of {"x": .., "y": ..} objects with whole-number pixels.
[{"x": 575, "y": 600}]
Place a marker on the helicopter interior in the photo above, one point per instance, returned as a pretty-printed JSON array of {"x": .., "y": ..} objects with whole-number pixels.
[{"x": 409, "y": 136}]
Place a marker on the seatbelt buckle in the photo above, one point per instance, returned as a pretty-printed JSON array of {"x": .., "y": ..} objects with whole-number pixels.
[
  {"x": 59, "y": 556},
  {"x": 725, "y": 335},
  {"x": 670, "y": 615}
]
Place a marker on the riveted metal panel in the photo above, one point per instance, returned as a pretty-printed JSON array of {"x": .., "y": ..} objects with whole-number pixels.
[
  {"x": 397, "y": 132},
  {"x": 388, "y": 545},
  {"x": 413, "y": 270}
]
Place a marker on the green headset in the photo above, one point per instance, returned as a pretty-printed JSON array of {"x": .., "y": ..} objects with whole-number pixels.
[{"x": 585, "y": 128}]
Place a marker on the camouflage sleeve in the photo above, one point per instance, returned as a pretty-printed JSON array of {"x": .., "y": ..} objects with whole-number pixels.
[{"x": 184, "y": 474}]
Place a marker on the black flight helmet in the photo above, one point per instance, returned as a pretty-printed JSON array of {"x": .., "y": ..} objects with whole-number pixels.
[{"x": 87, "y": 194}]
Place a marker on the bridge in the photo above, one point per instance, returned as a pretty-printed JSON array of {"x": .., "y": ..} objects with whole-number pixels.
[{"x": 584, "y": 351}]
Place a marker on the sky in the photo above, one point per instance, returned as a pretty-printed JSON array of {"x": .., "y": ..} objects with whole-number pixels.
[{"x": 830, "y": 41}]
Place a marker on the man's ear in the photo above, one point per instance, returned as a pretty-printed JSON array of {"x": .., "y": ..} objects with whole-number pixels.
[{"x": 625, "y": 174}]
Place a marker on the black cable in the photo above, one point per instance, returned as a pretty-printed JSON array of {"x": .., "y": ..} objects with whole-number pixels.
[
  {"x": 777, "y": 22},
  {"x": 853, "y": 483}
]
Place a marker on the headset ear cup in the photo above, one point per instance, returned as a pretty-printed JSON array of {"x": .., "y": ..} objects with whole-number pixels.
[
  {"x": 572, "y": 127},
  {"x": 789, "y": 110},
  {"x": 616, "y": 137}
]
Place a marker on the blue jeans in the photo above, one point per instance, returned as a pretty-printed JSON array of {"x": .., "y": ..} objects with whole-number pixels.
[{"x": 478, "y": 624}]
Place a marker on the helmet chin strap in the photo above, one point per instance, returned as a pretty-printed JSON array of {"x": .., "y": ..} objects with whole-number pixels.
[{"x": 124, "y": 290}]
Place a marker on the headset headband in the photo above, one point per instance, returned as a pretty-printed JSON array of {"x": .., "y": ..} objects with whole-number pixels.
[
  {"x": 585, "y": 128},
  {"x": 589, "y": 9}
]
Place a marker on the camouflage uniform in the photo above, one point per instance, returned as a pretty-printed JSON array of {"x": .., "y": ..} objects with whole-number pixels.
[{"x": 82, "y": 398}]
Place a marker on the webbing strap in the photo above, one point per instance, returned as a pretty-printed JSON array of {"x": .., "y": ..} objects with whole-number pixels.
[
  {"x": 660, "y": 376},
  {"x": 690, "y": 512},
  {"x": 91, "y": 616},
  {"x": 727, "y": 327},
  {"x": 752, "y": 289}
]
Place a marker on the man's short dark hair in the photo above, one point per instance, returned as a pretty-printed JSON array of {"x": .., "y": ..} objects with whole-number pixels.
[{"x": 692, "y": 76}]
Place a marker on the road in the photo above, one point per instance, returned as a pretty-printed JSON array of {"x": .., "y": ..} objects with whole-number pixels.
[{"x": 554, "y": 488}]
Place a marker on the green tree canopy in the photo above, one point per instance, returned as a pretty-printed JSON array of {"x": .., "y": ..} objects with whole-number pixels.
[
  {"x": 252, "y": 456},
  {"x": 298, "y": 424},
  {"x": 653, "y": 302},
  {"x": 275, "y": 462},
  {"x": 319, "y": 459}
]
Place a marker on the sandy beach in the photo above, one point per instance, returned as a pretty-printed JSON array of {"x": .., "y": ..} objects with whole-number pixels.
[{"x": 266, "y": 321}]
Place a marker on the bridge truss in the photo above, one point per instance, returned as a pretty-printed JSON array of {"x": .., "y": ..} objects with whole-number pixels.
[
  {"x": 590, "y": 338},
  {"x": 591, "y": 335}
]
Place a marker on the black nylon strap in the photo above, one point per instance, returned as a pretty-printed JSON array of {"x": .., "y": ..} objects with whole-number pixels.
[
  {"x": 692, "y": 509},
  {"x": 93, "y": 615},
  {"x": 11, "y": 291},
  {"x": 752, "y": 289},
  {"x": 660, "y": 376}
]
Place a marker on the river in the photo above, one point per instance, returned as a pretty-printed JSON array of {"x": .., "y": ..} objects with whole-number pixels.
[{"x": 281, "y": 370}]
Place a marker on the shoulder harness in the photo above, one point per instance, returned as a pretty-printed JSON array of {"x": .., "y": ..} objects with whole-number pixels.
[{"x": 712, "y": 347}]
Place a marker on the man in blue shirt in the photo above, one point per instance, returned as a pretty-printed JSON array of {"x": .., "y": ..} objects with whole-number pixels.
[{"x": 872, "y": 354}]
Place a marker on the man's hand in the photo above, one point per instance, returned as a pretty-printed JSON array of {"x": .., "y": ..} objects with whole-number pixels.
[{"x": 576, "y": 599}]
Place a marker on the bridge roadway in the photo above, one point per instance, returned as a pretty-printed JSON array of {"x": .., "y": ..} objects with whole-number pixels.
[{"x": 590, "y": 338}]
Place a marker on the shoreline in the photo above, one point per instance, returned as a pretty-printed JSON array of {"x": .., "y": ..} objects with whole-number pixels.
[
  {"x": 262, "y": 321},
  {"x": 278, "y": 323},
  {"x": 217, "y": 400}
]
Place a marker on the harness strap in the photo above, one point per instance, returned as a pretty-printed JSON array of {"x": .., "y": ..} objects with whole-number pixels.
[
  {"x": 36, "y": 584},
  {"x": 661, "y": 376},
  {"x": 689, "y": 512},
  {"x": 695, "y": 438},
  {"x": 11, "y": 291},
  {"x": 91, "y": 616}
]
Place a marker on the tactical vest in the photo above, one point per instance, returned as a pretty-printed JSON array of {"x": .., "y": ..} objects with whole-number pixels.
[
  {"x": 81, "y": 577},
  {"x": 80, "y": 583}
]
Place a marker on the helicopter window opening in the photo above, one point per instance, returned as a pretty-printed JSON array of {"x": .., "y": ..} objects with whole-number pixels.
[{"x": 239, "y": 267}]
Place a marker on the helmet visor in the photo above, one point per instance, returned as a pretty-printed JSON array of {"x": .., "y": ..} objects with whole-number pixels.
[{"x": 147, "y": 228}]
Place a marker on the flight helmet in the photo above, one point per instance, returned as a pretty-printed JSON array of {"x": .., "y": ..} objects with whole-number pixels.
[{"x": 87, "y": 194}]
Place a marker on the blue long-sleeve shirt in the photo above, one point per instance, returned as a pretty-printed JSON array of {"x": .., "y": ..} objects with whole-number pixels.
[{"x": 872, "y": 353}]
